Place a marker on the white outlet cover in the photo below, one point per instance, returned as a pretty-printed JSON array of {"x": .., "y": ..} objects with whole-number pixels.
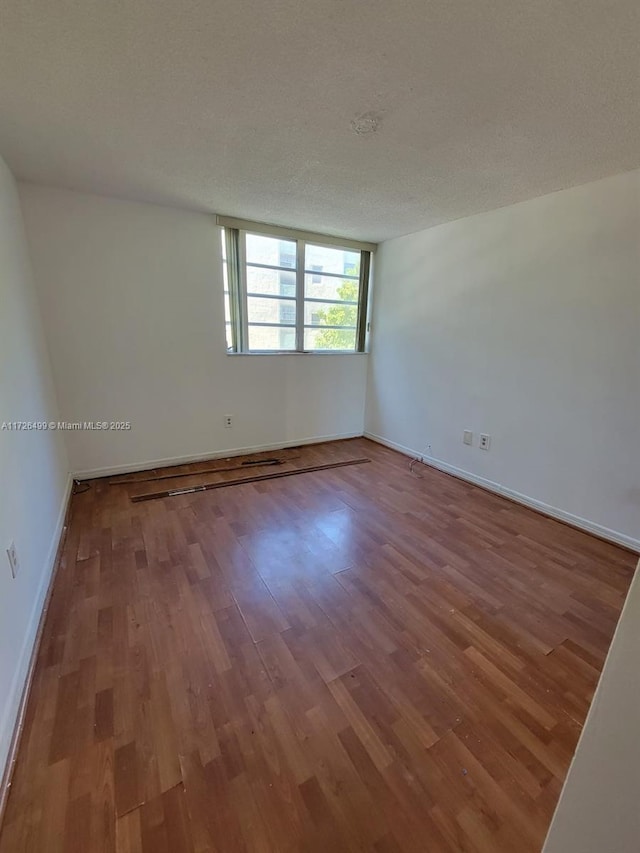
[{"x": 485, "y": 441}]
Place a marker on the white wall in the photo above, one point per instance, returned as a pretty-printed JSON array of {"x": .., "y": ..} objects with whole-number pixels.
[
  {"x": 133, "y": 307},
  {"x": 598, "y": 808},
  {"x": 521, "y": 323},
  {"x": 33, "y": 465}
]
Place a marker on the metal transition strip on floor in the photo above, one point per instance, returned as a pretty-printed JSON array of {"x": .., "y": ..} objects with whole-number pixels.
[{"x": 170, "y": 493}]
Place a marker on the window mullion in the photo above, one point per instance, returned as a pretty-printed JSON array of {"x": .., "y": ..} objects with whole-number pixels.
[{"x": 300, "y": 250}]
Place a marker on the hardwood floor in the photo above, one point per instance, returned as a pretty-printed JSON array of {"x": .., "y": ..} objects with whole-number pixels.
[{"x": 354, "y": 659}]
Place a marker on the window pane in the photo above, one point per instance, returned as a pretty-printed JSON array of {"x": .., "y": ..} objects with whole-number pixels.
[
  {"x": 330, "y": 314},
  {"x": 271, "y": 250},
  {"x": 327, "y": 287},
  {"x": 271, "y": 338},
  {"x": 227, "y": 302},
  {"x": 271, "y": 310},
  {"x": 330, "y": 339},
  {"x": 227, "y": 321},
  {"x": 276, "y": 282},
  {"x": 327, "y": 259}
]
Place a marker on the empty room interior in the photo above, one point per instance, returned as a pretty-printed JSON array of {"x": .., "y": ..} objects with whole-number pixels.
[{"x": 319, "y": 394}]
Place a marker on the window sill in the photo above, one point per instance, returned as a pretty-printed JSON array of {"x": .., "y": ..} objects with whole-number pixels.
[{"x": 296, "y": 352}]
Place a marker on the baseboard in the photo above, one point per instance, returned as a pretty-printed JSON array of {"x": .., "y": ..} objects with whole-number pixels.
[
  {"x": 554, "y": 512},
  {"x": 23, "y": 678},
  {"x": 112, "y": 471}
]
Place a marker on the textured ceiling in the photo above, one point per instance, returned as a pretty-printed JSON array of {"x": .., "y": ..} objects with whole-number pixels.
[{"x": 367, "y": 118}]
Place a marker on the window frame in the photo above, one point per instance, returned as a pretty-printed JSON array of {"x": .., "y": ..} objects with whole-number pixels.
[{"x": 235, "y": 236}]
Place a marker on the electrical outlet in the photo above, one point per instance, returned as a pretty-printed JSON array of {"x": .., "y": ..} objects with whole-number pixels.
[
  {"x": 485, "y": 441},
  {"x": 14, "y": 563},
  {"x": 467, "y": 437},
  {"x": 228, "y": 421}
]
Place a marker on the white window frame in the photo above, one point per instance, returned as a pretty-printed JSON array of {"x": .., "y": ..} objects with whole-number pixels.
[{"x": 236, "y": 231}]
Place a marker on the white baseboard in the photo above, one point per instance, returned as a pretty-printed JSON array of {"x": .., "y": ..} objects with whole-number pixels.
[
  {"x": 18, "y": 692},
  {"x": 568, "y": 517},
  {"x": 114, "y": 470}
]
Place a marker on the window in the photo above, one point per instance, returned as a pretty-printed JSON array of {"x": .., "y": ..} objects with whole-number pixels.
[{"x": 289, "y": 291}]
